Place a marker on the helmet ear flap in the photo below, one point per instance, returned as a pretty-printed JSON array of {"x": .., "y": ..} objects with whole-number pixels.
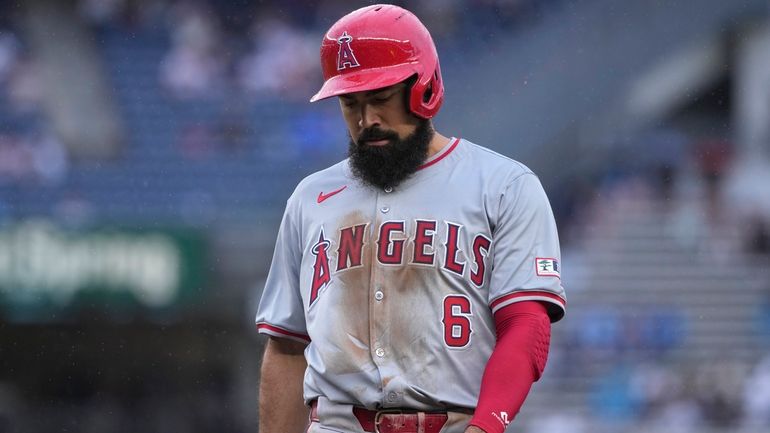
[
  {"x": 427, "y": 97},
  {"x": 410, "y": 82},
  {"x": 428, "y": 94},
  {"x": 435, "y": 82}
]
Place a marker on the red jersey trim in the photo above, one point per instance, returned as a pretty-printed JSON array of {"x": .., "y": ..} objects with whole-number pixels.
[
  {"x": 533, "y": 295},
  {"x": 264, "y": 328},
  {"x": 442, "y": 156}
]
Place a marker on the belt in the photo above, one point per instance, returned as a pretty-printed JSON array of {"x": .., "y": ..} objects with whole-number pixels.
[{"x": 393, "y": 420}]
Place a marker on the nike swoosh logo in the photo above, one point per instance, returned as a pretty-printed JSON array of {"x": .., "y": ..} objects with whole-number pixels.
[{"x": 322, "y": 196}]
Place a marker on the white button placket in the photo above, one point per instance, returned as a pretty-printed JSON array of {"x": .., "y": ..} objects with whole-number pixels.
[{"x": 378, "y": 307}]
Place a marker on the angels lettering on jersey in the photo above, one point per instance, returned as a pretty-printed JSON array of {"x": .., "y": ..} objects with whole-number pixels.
[{"x": 391, "y": 248}]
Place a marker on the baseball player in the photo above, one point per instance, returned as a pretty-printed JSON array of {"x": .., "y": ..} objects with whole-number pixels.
[{"x": 413, "y": 284}]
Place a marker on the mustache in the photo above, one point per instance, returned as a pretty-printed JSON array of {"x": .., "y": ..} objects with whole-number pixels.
[{"x": 374, "y": 134}]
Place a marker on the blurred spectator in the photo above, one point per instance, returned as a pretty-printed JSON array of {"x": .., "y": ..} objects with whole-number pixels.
[
  {"x": 601, "y": 330},
  {"x": 713, "y": 157},
  {"x": 757, "y": 235},
  {"x": 190, "y": 74},
  {"x": 560, "y": 422},
  {"x": 282, "y": 62},
  {"x": 33, "y": 158},
  {"x": 756, "y": 395},
  {"x": 195, "y": 25},
  {"x": 679, "y": 414},
  {"x": 318, "y": 134},
  {"x": 9, "y": 52},
  {"x": 611, "y": 399},
  {"x": 651, "y": 384},
  {"x": 49, "y": 157},
  {"x": 719, "y": 391},
  {"x": 101, "y": 12},
  {"x": 763, "y": 316},
  {"x": 194, "y": 68},
  {"x": 662, "y": 329},
  {"x": 663, "y": 153},
  {"x": 129, "y": 14},
  {"x": 25, "y": 87},
  {"x": 665, "y": 401},
  {"x": 15, "y": 160},
  {"x": 743, "y": 192},
  {"x": 571, "y": 201},
  {"x": 687, "y": 225}
]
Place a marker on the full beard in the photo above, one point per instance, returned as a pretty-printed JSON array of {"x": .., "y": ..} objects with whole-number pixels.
[{"x": 391, "y": 164}]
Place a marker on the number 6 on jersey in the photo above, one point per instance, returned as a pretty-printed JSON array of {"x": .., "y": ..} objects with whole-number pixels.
[{"x": 457, "y": 323}]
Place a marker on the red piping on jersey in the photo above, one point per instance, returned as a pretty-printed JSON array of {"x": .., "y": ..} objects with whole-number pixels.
[
  {"x": 451, "y": 148},
  {"x": 528, "y": 294},
  {"x": 278, "y": 330}
]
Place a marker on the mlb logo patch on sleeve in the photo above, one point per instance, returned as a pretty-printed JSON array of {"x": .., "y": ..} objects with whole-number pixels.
[{"x": 546, "y": 267}]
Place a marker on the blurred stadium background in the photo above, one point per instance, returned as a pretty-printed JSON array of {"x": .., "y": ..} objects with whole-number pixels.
[{"x": 147, "y": 149}]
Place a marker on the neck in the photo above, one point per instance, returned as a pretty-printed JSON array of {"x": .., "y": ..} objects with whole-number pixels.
[{"x": 437, "y": 143}]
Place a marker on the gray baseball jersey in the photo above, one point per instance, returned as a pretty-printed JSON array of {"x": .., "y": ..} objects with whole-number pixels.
[{"x": 395, "y": 289}]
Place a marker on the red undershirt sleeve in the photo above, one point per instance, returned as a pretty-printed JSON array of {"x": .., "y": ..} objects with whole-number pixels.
[{"x": 518, "y": 360}]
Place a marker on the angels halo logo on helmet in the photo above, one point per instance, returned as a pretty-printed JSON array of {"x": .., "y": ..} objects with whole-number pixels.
[
  {"x": 345, "y": 56},
  {"x": 390, "y": 45}
]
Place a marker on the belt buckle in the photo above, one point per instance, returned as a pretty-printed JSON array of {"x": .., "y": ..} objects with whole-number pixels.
[{"x": 380, "y": 413}]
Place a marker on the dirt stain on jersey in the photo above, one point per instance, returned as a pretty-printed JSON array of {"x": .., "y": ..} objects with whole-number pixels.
[
  {"x": 412, "y": 320},
  {"x": 386, "y": 380},
  {"x": 351, "y": 297}
]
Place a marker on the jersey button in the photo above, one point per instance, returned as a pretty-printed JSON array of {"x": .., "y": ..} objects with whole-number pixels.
[
  {"x": 388, "y": 189},
  {"x": 380, "y": 352},
  {"x": 378, "y": 295},
  {"x": 384, "y": 209},
  {"x": 392, "y": 396}
]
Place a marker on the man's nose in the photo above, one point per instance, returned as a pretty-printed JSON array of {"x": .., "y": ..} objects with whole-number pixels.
[{"x": 369, "y": 117}]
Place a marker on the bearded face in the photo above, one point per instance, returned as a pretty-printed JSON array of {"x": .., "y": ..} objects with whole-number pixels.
[{"x": 392, "y": 162}]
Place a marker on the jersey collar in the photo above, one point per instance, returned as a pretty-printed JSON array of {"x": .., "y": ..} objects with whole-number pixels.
[
  {"x": 441, "y": 154},
  {"x": 421, "y": 172}
]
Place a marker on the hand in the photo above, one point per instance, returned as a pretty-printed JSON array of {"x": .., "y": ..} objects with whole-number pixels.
[{"x": 474, "y": 429}]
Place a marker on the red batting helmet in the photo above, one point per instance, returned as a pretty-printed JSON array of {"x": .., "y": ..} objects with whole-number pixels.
[{"x": 378, "y": 46}]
